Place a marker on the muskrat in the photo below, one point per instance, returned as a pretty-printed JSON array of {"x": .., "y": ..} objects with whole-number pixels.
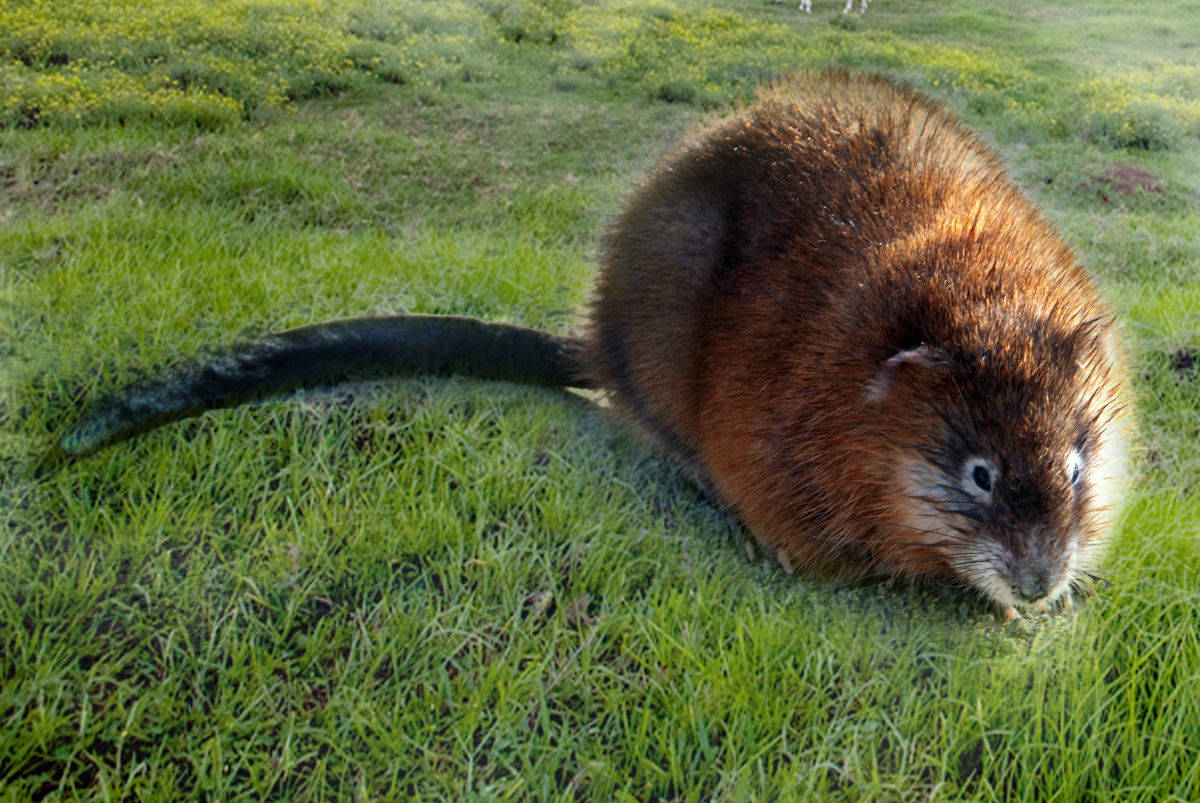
[{"x": 844, "y": 318}]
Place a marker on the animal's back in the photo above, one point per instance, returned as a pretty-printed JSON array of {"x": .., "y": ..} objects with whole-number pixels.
[{"x": 770, "y": 206}]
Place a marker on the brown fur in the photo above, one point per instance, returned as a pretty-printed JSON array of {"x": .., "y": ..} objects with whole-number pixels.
[{"x": 828, "y": 302}]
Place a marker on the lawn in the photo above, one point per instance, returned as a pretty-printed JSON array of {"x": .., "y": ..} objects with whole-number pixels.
[{"x": 454, "y": 590}]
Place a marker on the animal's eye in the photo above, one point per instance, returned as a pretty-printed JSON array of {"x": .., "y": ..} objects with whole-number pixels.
[
  {"x": 982, "y": 477},
  {"x": 978, "y": 477},
  {"x": 1075, "y": 466}
]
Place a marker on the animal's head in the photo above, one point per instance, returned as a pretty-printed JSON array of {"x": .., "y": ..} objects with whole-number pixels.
[{"x": 1008, "y": 452}]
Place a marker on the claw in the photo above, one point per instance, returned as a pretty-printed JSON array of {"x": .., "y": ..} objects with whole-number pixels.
[{"x": 784, "y": 561}]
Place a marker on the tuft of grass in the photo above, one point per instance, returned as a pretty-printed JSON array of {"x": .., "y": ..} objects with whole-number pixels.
[
  {"x": 451, "y": 590},
  {"x": 1149, "y": 109}
]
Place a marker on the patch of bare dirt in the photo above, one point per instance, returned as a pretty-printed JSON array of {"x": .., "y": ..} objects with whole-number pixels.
[
  {"x": 1117, "y": 180},
  {"x": 1183, "y": 361}
]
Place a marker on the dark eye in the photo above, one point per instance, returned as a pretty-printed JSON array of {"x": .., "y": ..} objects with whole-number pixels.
[
  {"x": 982, "y": 477},
  {"x": 978, "y": 477},
  {"x": 1075, "y": 466}
]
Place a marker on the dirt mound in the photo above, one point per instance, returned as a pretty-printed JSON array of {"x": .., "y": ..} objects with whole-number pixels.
[{"x": 1121, "y": 181}]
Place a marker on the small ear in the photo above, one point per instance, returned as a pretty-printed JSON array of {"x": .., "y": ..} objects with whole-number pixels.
[{"x": 923, "y": 358}]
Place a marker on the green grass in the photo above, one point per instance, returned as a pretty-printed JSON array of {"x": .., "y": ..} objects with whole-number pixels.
[{"x": 461, "y": 591}]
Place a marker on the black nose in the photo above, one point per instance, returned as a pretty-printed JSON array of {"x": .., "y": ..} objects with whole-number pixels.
[{"x": 1031, "y": 584}]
